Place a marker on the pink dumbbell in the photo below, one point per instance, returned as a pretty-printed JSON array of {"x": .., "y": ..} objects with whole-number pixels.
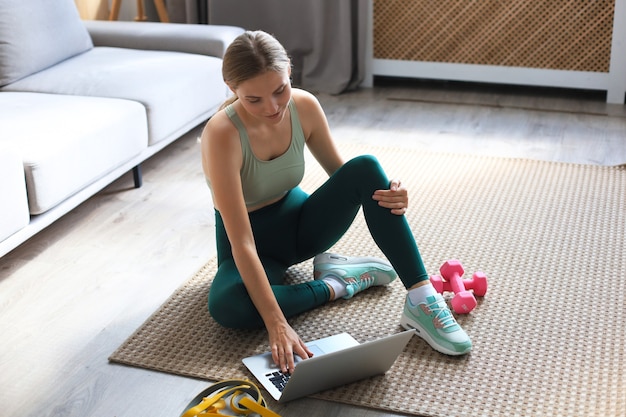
[
  {"x": 463, "y": 300},
  {"x": 478, "y": 284}
]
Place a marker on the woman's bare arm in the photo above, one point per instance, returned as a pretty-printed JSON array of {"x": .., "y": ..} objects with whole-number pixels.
[{"x": 221, "y": 161}]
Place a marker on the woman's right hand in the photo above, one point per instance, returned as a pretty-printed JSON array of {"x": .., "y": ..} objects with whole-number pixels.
[{"x": 284, "y": 343}]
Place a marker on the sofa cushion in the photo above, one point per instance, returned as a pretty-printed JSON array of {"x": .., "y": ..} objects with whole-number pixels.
[
  {"x": 36, "y": 34},
  {"x": 179, "y": 90},
  {"x": 68, "y": 142},
  {"x": 14, "y": 215}
]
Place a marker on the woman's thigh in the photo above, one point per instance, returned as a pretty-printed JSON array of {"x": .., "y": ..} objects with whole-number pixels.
[{"x": 329, "y": 212}]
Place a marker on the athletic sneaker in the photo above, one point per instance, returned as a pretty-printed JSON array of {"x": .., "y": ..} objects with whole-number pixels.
[
  {"x": 434, "y": 323},
  {"x": 357, "y": 273}
]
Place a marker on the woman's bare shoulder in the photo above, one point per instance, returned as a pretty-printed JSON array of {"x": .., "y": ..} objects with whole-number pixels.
[
  {"x": 310, "y": 111},
  {"x": 303, "y": 97},
  {"x": 219, "y": 124},
  {"x": 309, "y": 107},
  {"x": 219, "y": 130}
]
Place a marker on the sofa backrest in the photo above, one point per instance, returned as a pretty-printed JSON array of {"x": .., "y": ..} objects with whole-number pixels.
[{"x": 37, "y": 34}]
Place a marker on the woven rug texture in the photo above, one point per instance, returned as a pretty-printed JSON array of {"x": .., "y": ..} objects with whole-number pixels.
[{"x": 549, "y": 336}]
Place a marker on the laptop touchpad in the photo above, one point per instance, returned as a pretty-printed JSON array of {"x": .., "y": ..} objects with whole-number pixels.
[
  {"x": 313, "y": 348},
  {"x": 316, "y": 350}
]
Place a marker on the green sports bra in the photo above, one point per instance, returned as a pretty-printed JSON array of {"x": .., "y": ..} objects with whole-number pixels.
[{"x": 266, "y": 180}]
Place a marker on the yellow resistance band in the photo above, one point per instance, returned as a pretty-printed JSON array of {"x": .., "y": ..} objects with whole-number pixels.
[{"x": 242, "y": 396}]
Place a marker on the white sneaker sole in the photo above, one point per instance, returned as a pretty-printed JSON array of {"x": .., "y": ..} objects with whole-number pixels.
[{"x": 409, "y": 324}]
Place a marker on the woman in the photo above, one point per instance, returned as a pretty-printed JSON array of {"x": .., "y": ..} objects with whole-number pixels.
[{"x": 252, "y": 155}]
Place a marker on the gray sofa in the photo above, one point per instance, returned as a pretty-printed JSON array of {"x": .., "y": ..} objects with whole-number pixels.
[{"x": 83, "y": 102}]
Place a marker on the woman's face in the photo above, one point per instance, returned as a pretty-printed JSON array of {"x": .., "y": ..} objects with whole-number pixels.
[{"x": 266, "y": 96}]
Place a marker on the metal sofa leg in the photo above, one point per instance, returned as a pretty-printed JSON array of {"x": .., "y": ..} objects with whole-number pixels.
[{"x": 137, "y": 176}]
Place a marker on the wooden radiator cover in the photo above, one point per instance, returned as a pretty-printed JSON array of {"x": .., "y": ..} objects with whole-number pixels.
[{"x": 548, "y": 34}]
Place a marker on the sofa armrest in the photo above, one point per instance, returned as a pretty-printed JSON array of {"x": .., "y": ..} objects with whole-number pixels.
[{"x": 209, "y": 40}]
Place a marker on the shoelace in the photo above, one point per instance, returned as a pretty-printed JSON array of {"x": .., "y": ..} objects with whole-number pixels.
[
  {"x": 442, "y": 314},
  {"x": 364, "y": 281}
]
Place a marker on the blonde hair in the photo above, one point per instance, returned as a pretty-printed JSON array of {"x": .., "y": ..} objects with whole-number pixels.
[{"x": 251, "y": 54}]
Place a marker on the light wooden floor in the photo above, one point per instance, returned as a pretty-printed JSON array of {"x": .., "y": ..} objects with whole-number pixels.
[{"x": 76, "y": 291}]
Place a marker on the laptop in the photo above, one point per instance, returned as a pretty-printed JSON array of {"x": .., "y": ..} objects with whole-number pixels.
[{"x": 337, "y": 360}]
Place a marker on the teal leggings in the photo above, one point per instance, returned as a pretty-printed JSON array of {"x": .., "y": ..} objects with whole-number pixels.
[{"x": 300, "y": 226}]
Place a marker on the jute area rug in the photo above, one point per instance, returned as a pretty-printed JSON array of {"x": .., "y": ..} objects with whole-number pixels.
[{"x": 549, "y": 336}]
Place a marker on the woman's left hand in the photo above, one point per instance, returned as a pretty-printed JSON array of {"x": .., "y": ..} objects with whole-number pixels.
[{"x": 395, "y": 198}]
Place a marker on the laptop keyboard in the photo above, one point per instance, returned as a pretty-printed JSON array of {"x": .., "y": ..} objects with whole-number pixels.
[{"x": 279, "y": 379}]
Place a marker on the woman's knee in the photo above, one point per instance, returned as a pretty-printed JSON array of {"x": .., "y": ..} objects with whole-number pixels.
[
  {"x": 364, "y": 161},
  {"x": 368, "y": 167}
]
